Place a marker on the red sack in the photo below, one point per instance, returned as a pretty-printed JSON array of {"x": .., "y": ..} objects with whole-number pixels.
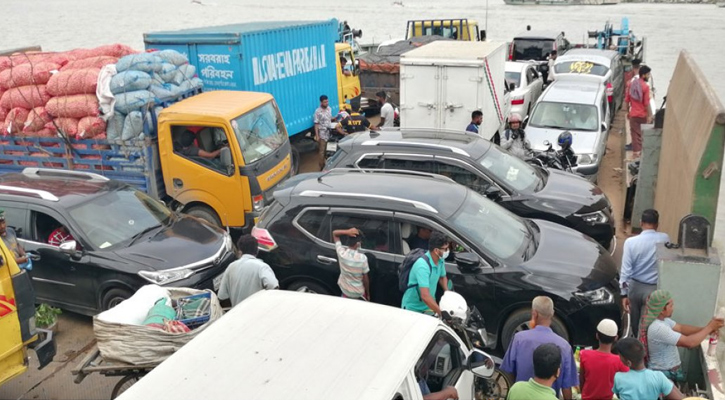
[
  {"x": 74, "y": 81},
  {"x": 67, "y": 125},
  {"x": 45, "y": 132},
  {"x": 76, "y": 106},
  {"x": 3, "y": 112},
  {"x": 92, "y": 62},
  {"x": 27, "y": 97},
  {"x": 37, "y": 118},
  {"x": 89, "y": 127},
  {"x": 27, "y": 74},
  {"x": 113, "y": 50},
  {"x": 32, "y": 58},
  {"x": 15, "y": 121}
]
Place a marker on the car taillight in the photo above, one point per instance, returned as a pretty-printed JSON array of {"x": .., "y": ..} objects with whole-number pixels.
[
  {"x": 264, "y": 238},
  {"x": 258, "y": 202},
  {"x": 517, "y": 101}
]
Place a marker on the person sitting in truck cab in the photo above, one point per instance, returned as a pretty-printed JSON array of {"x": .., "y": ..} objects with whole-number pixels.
[
  {"x": 346, "y": 69},
  {"x": 188, "y": 148}
]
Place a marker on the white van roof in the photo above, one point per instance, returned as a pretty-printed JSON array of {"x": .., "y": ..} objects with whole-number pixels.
[{"x": 289, "y": 345}]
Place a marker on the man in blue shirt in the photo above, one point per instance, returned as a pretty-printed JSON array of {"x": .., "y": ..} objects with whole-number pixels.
[
  {"x": 476, "y": 120},
  {"x": 638, "y": 276},
  {"x": 426, "y": 274},
  {"x": 519, "y": 358}
]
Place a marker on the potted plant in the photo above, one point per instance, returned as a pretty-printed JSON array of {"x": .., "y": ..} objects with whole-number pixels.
[{"x": 46, "y": 317}]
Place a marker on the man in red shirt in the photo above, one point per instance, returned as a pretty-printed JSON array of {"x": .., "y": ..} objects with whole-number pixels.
[
  {"x": 597, "y": 367},
  {"x": 639, "y": 112}
]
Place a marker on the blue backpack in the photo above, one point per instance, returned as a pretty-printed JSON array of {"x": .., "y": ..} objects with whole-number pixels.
[{"x": 406, "y": 266}]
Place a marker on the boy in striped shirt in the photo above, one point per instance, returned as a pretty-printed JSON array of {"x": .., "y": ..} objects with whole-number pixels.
[{"x": 353, "y": 282}]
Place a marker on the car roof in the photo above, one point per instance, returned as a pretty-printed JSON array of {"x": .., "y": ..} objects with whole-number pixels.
[
  {"x": 578, "y": 91},
  {"x": 517, "y": 66},
  {"x": 67, "y": 188},
  {"x": 466, "y": 144},
  {"x": 284, "y": 344},
  {"x": 603, "y": 57},
  {"x": 395, "y": 191},
  {"x": 549, "y": 35}
]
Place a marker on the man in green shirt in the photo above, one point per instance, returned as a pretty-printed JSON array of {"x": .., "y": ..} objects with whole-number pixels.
[
  {"x": 427, "y": 273},
  {"x": 547, "y": 363}
]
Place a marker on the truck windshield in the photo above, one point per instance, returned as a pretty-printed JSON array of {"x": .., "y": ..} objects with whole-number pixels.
[
  {"x": 118, "y": 216},
  {"x": 565, "y": 116},
  {"x": 492, "y": 227},
  {"x": 259, "y": 132},
  {"x": 532, "y": 49}
]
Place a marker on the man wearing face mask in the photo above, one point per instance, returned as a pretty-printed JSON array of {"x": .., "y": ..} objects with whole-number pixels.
[
  {"x": 427, "y": 273},
  {"x": 519, "y": 357}
]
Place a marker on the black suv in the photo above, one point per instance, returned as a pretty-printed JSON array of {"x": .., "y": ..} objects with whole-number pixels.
[
  {"x": 121, "y": 239},
  {"x": 500, "y": 264},
  {"x": 478, "y": 164}
]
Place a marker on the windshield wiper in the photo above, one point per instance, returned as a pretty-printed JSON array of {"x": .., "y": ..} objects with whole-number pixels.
[
  {"x": 137, "y": 236},
  {"x": 554, "y": 127}
]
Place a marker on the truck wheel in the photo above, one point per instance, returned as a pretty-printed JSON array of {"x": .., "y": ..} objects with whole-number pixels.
[
  {"x": 308, "y": 287},
  {"x": 114, "y": 297},
  {"x": 295, "y": 161},
  {"x": 519, "y": 321},
  {"x": 205, "y": 213}
]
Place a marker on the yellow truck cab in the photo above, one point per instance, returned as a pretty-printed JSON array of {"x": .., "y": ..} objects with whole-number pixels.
[
  {"x": 254, "y": 155},
  {"x": 348, "y": 79},
  {"x": 17, "y": 321},
  {"x": 455, "y": 28}
]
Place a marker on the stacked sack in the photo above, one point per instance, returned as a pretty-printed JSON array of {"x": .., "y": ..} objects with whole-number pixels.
[
  {"x": 41, "y": 93},
  {"x": 143, "y": 79}
]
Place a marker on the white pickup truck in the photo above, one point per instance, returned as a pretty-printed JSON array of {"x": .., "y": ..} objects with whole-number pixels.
[{"x": 302, "y": 346}]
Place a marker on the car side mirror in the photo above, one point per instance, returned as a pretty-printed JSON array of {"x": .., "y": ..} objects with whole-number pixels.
[
  {"x": 467, "y": 260},
  {"x": 18, "y": 231},
  {"x": 481, "y": 364},
  {"x": 68, "y": 247},
  {"x": 604, "y": 127},
  {"x": 525, "y": 122},
  {"x": 482, "y": 35},
  {"x": 225, "y": 156},
  {"x": 493, "y": 193},
  {"x": 512, "y": 86}
]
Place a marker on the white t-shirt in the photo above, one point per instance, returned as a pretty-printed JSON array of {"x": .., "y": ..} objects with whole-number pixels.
[{"x": 388, "y": 113}]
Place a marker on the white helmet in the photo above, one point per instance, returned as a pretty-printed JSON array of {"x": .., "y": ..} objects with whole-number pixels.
[{"x": 455, "y": 305}]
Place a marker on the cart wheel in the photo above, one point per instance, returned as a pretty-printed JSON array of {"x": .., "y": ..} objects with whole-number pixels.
[{"x": 123, "y": 385}]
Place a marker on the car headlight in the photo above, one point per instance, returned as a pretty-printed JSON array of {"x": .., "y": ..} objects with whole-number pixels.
[
  {"x": 167, "y": 276},
  {"x": 587, "y": 159},
  {"x": 596, "y": 297},
  {"x": 597, "y": 217}
]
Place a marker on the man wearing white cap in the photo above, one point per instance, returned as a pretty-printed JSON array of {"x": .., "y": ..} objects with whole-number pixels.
[{"x": 597, "y": 367}]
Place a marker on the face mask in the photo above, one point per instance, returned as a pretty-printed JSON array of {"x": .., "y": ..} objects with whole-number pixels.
[{"x": 446, "y": 253}]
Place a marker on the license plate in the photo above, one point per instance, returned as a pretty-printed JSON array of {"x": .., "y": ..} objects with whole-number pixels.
[
  {"x": 331, "y": 147},
  {"x": 217, "y": 282}
]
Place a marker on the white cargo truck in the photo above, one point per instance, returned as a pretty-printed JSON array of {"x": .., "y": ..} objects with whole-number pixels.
[{"x": 443, "y": 82}]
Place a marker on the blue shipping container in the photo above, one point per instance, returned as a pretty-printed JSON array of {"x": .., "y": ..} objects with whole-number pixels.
[{"x": 292, "y": 60}]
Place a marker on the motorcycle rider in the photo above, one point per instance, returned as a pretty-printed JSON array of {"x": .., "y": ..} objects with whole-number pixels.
[
  {"x": 567, "y": 158},
  {"x": 514, "y": 138}
]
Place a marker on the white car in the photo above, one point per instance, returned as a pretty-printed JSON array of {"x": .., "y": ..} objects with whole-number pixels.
[{"x": 528, "y": 85}]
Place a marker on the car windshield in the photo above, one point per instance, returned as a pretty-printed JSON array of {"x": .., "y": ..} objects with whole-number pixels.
[
  {"x": 532, "y": 49},
  {"x": 259, "y": 132},
  {"x": 513, "y": 77},
  {"x": 494, "y": 228},
  {"x": 565, "y": 116},
  {"x": 580, "y": 67},
  {"x": 511, "y": 170},
  {"x": 118, "y": 216}
]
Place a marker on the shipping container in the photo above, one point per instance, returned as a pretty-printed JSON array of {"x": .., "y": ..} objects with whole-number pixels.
[
  {"x": 443, "y": 82},
  {"x": 292, "y": 60}
]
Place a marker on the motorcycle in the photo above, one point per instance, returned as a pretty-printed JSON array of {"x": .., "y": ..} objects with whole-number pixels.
[
  {"x": 550, "y": 158},
  {"x": 469, "y": 325}
]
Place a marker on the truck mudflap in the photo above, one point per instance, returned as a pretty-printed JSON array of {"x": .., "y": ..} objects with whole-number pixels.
[{"x": 45, "y": 347}]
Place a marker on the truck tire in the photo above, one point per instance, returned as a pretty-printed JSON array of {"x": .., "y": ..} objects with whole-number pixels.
[
  {"x": 113, "y": 297},
  {"x": 295, "y": 161},
  {"x": 205, "y": 213},
  {"x": 519, "y": 321}
]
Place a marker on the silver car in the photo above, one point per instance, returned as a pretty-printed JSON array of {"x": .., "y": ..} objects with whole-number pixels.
[
  {"x": 579, "y": 105},
  {"x": 527, "y": 86}
]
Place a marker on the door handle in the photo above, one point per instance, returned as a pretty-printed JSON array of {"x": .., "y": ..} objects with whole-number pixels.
[
  {"x": 326, "y": 260},
  {"x": 178, "y": 183},
  {"x": 33, "y": 255}
]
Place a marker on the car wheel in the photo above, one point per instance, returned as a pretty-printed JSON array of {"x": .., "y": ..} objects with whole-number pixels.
[
  {"x": 205, "y": 213},
  {"x": 308, "y": 287},
  {"x": 519, "y": 321},
  {"x": 114, "y": 297}
]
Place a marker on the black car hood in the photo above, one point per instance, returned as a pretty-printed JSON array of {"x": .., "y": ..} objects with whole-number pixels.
[
  {"x": 184, "y": 241},
  {"x": 570, "y": 193},
  {"x": 567, "y": 260}
]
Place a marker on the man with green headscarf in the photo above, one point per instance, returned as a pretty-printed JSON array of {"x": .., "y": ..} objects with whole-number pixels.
[{"x": 661, "y": 336}]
